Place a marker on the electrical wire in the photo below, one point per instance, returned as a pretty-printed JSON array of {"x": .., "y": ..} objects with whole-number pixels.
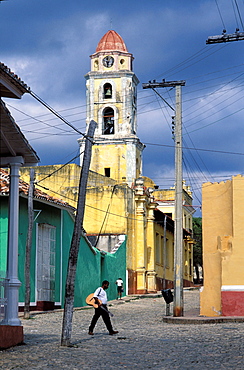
[
  {"x": 183, "y": 66},
  {"x": 216, "y": 2},
  {"x": 239, "y": 14},
  {"x": 51, "y": 174},
  {"x": 199, "y": 149},
  {"x": 40, "y": 100}
]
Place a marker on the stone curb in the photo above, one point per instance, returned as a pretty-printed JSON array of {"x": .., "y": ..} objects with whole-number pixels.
[{"x": 202, "y": 320}]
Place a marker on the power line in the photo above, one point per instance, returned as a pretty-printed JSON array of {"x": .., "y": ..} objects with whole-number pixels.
[
  {"x": 99, "y": 209},
  {"x": 200, "y": 149},
  {"x": 18, "y": 110},
  {"x": 220, "y": 14},
  {"x": 189, "y": 178},
  {"x": 56, "y": 113},
  {"x": 239, "y": 14},
  {"x": 218, "y": 120},
  {"x": 77, "y": 113},
  {"x": 49, "y": 175},
  {"x": 215, "y": 105},
  {"x": 190, "y": 65},
  {"x": 47, "y": 114}
]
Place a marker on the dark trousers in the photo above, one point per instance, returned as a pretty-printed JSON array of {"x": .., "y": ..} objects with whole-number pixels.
[{"x": 105, "y": 315}]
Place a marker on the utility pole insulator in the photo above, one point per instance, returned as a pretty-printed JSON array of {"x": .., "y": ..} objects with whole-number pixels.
[
  {"x": 237, "y": 36},
  {"x": 164, "y": 83}
]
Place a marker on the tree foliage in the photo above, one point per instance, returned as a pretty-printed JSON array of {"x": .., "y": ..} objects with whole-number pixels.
[{"x": 197, "y": 236}]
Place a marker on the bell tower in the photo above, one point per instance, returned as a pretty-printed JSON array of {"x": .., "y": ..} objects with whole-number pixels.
[{"x": 111, "y": 93}]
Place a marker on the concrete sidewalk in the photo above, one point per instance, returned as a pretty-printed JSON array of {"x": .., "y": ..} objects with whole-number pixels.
[{"x": 191, "y": 314}]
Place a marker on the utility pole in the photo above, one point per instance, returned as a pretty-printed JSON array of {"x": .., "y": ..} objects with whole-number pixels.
[
  {"x": 28, "y": 244},
  {"x": 164, "y": 259},
  {"x": 75, "y": 242},
  {"x": 178, "y": 230},
  {"x": 178, "y": 246}
]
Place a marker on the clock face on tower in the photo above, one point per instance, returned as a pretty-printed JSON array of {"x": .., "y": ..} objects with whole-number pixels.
[{"x": 108, "y": 61}]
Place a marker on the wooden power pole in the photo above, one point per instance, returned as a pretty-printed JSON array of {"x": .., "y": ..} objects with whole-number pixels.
[
  {"x": 28, "y": 244},
  {"x": 178, "y": 229},
  {"x": 75, "y": 242}
]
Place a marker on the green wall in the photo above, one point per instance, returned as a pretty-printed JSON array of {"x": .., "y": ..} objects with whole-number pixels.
[
  {"x": 89, "y": 273},
  {"x": 49, "y": 215},
  {"x": 3, "y": 234},
  {"x": 92, "y": 268},
  {"x": 114, "y": 268}
]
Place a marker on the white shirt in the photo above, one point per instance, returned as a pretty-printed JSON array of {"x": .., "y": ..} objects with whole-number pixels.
[
  {"x": 119, "y": 282},
  {"x": 101, "y": 294}
]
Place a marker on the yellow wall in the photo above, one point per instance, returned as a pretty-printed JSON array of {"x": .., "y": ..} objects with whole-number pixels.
[
  {"x": 166, "y": 199},
  {"x": 223, "y": 239},
  {"x": 109, "y": 206},
  {"x": 115, "y": 157},
  {"x": 96, "y": 63},
  {"x": 63, "y": 181},
  {"x": 115, "y": 208},
  {"x": 110, "y": 156},
  {"x": 164, "y": 269},
  {"x": 166, "y": 203}
]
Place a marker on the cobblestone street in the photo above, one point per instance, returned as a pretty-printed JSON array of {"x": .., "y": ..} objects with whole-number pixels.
[{"x": 143, "y": 342}]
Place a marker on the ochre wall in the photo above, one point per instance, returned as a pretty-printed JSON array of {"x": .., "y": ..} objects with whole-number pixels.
[
  {"x": 116, "y": 157},
  {"x": 165, "y": 268},
  {"x": 117, "y": 160},
  {"x": 62, "y": 181},
  {"x": 115, "y": 208},
  {"x": 223, "y": 239}
]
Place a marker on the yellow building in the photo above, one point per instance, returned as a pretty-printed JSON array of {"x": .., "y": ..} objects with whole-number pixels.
[
  {"x": 166, "y": 204},
  {"x": 223, "y": 257},
  {"x": 119, "y": 201}
]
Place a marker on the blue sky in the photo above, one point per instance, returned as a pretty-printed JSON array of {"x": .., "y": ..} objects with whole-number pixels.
[{"x": 48, "y": 44}]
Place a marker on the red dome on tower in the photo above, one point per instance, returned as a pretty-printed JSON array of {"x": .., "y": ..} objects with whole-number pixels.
[{"x": 111, "y": 41}]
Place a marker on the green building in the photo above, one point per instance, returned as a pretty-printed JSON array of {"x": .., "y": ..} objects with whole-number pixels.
[{"x": 51, "y": 239}]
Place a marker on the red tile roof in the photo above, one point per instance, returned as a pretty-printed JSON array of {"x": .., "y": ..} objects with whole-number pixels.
[
  {"x": 111, "y": 41},
  {"x": 23, "y": 189},
  {"x": 15, "y": 80}
]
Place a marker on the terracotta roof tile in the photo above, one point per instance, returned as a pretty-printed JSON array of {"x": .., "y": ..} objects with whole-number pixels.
[
  {"x": 111, "y": 41},
  {"x": 23, "y": 188},
  {"x": 13, "y": 76}
]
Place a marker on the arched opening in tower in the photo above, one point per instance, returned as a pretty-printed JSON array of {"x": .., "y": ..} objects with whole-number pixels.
[
  {"x": 108, "y": 121},
  {"x": 107, "y": 91}
]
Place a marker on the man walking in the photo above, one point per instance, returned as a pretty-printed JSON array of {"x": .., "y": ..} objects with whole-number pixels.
[
  {"x": 119, "y": 283},
  {"x": 100, "y": 297}
]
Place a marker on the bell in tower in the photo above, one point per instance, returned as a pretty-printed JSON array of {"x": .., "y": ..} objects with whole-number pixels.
[
  {"x": 108, "y": 121},
  {"x": 107, "y": 91}
]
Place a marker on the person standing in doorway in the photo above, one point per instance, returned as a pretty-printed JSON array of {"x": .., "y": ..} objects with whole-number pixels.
[
  {"x": 120, "y": 290},
  {"x": 100, "y": 297}
]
